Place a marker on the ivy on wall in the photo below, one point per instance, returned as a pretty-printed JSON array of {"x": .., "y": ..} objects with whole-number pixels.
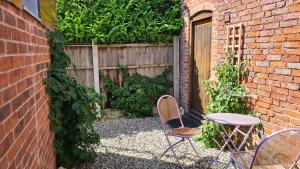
[
  {"x": 73, "y": 109},
  {"x": 119, "y": 21}
]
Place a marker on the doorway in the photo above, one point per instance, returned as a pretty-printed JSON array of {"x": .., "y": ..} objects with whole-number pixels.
[{"x": 201, "y": 27}]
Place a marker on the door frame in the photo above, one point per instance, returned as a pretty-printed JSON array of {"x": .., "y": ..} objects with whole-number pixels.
[{"x": 202, "y": 15}]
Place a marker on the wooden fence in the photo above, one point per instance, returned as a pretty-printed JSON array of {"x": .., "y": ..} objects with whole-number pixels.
[{"x": 92, "y": 61}]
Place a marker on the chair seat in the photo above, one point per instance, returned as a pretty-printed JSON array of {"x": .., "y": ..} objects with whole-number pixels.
[
  {"x": 183, "y": 132},
  {"x": 244, "y": 159}
]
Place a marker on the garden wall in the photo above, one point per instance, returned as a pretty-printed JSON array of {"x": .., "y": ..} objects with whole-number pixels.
[
  {"x": 271, "y": 41},
  {"x": 25, "y": 137}
]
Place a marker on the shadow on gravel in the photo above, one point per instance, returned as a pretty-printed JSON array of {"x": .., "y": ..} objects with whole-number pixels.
[
  {"x": 117, "y": 161},
  {"x": 128, "y": 127}
]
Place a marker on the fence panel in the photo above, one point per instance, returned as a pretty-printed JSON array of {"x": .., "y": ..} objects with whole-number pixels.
[{"x": 146, "y": 59}]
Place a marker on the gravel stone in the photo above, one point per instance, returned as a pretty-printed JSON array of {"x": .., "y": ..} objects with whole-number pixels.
[{"x": 138, "y": 143}]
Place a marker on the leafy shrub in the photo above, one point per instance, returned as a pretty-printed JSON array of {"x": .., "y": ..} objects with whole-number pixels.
[
  {"x": 226, "y": 95},
  {"x": 138, "y": 94},
  {"x": 119, "y": 21},
  {"x": 72, "y": 109}
]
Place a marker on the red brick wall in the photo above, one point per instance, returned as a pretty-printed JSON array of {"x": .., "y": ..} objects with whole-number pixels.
[
  {"x": 271, "y": 42},
  {"x": 25, "y": 138}
]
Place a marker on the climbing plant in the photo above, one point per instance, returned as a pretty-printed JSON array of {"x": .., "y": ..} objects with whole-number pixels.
[
  {"x": 226, "y": 94},
  {"x": 119, "y": 21},
  {"x": 73, "y": 109}
]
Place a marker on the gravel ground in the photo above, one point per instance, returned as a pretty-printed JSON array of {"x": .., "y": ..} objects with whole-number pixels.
[{"x": 137, "y": 144}]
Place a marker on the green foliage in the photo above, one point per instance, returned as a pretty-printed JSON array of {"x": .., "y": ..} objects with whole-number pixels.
[
  {"x": 73, "y": 109},
  {"x": 226, "y": 95},
  {"x": 138, "y": 94},
  {"x": 119, "y": 21}
]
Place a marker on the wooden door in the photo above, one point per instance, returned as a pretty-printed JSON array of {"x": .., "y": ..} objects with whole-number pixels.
[{"x": 201, "y": 51}]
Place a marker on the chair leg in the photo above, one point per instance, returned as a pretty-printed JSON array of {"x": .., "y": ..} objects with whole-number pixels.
[
  {"x": 177, "y": 159},
  {"x": 194, "y": 147},
  {"x": 177, "y": 144}
]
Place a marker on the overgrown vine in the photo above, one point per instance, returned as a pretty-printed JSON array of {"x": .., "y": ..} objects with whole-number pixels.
[
  {"x": 138, "y": 94},
  {"x": 73, "y": 109}
]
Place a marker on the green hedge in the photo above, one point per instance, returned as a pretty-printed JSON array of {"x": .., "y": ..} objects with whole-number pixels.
[{"x": 119, "y": 21}]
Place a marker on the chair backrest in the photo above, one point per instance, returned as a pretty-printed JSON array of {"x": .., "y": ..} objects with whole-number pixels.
[
  {"x": 281, "y": 148},
  {"x": 168, "y": 109}
]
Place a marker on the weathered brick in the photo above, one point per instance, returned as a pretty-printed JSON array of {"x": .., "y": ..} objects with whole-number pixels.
[
  {"x": 273, "y": 57},
  {"x": 280, "y": 90},
  {"x": 278, "y": 51},
  {"x": 283, "y": 71},
  {"x": 292, "y": 86},
  {"x": 253, "y": 34},
  {"x": 258, "y": 15},
  {"x": 5, "y": 111},
  {"x": 291, "y": 58},
  {"x": 280, "y": 11},
  {"x": 296, "y": 72},
  {"x": 259, "y": 57},
  {"x": 263, "y": 104},
  {"x": 293, "y": 51},
  {"x": 21, "y": 24},
  {"x": 273, "y": 83},
  {"x": 293, "y": 37},
  {"x": 277, "y": 64},
  {"x": 9, "y": 18},
  {"x": 264, "y": 87},
  {"x": 291, "y": 44},
  {"x": 11, "y": 48},
  {"x": 264, "y": 93},
  {"x": 262, "y": 63},
  {"x": 293, "y": 65},
  {"x": 268, "y": 7},
  {"x": 289, "y": 30},
  {"x": 295, "y": 121},
  {"x": 295, "y": 93},
  {"x": 293, "y": 100},
  {"x": 294, "y": 8},
  {"x": 290, "y": 16},
  {"x": 288, "y": 23},
  {"x": 267, "y": 32},
  {"x": 296, "y": 80},
  {"x": 6, "y": 144},
  {"x": 292, "y": 113},
  {"x": 279, "y": 38},
  {"x": 272, "y": 25},
  {"x": 279, "y": 96}
]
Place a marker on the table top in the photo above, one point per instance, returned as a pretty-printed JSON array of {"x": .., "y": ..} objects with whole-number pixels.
[{"x": 233, "y": 119}]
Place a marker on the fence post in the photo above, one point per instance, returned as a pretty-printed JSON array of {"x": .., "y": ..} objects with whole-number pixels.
[
  {"x": 95, "y": 67},
  {"x": 176, "y": 66}
]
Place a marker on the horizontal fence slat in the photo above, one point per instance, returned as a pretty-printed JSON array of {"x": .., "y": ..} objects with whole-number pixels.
[
  {"x": 124, "y": 45},
  {"x": 147, "y": 59}
]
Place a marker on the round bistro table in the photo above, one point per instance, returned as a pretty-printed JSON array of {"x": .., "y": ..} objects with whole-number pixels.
[{"x": 236, "y": 120}]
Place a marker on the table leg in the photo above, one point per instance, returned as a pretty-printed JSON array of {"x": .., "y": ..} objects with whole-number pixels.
[
  {"x": 243, "y": 142},
  {"x": 227, "y": 141}
]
